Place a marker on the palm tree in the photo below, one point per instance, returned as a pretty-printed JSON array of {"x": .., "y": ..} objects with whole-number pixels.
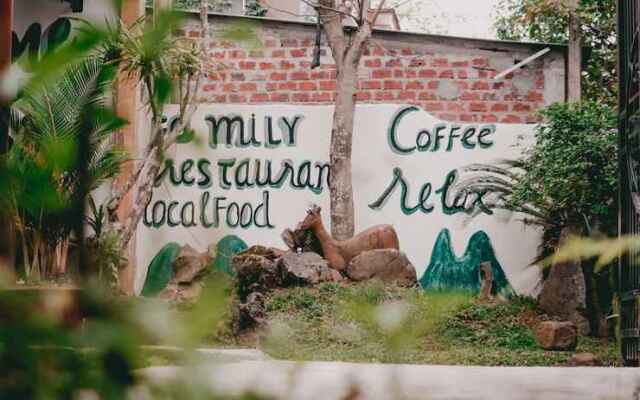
[{"x": 48, "y": 122}]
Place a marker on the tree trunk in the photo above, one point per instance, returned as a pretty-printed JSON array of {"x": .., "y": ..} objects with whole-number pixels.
[
  {"x": 340, "y": 179},
  {"x": 574, "y": 86}
]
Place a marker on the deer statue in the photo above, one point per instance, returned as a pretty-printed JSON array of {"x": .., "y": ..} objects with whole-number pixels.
[{"x": 339, "y": 253}]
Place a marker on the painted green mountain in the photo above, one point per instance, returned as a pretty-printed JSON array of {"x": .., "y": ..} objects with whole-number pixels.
[
  {"x": 226, "y": 248},
  {"x": 160, "y": 270},
  {"x": 446, "y": 271}
]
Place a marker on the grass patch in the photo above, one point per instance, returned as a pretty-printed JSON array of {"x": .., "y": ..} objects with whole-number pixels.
[{"x": 373, "y": 323}]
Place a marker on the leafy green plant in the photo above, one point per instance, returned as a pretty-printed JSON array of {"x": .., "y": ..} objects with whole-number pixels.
[
  {"x": 49, "y": 121},
  {"x": 568, "y": 178}
]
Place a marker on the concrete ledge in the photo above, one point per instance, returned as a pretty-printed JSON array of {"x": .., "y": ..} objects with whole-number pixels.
[{"x": 323, "y": 380}]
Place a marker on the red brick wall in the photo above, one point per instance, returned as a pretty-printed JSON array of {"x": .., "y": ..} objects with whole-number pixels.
[{"x": 452, "y": 83}]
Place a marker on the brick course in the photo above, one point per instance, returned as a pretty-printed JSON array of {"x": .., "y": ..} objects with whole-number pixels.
[{"x": 455, "y": 86}]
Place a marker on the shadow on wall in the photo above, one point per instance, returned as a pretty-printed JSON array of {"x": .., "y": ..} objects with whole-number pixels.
[
  {"x": 160, "y": 269},
  {"x": 446, "y": 271}
]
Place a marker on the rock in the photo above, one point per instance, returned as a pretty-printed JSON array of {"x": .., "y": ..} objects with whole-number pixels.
[
  {"x": 583, "y": 360},
  {"x": 557, "y": 335},
  {"x": 304, "y": 269},
  {"x": 564, "y": 293},
  {"x": 252, "y": 312},
  {"x": 255, "y": 273},
  {"x": 190, "y": 265},
  {"x": 388, "y": 265}
]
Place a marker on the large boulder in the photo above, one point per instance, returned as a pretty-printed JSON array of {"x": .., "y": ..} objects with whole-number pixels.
[
  {"x": 387, "y": 265},
  {"x": 190, "y": 265},
  {"x": 252, "y": 311},
  {"x": 304, "y": 269},
  {"x": 256, "y": 270},
  {"x": 563, "y": 293},
  {"x": 557, "y": 335}
]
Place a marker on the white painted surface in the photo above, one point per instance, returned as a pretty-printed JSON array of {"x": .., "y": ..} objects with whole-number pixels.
[
  {"x": 327, "y": 381},
  {"x": 373, "y": 162}
]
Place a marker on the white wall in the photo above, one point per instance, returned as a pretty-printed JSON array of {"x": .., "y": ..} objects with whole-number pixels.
[{"x": 373, "y": 164}]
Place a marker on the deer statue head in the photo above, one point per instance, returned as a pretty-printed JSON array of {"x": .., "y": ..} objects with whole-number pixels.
[{"x": 312, "y": 219}]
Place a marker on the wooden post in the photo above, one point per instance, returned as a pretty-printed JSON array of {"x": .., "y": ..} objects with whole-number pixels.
[
  {"x": 574, "y": 86},
  {"x": 128, "y": 103},
  {"x": 7, "y": 234}
]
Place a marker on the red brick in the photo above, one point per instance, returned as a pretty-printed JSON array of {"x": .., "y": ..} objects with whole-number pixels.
[
  {"x": 455, "y": 107},
  {"x": 478, "y": 107},
  {"x": 322, "y": 97},
  {"x": 371, "y": 84},
  {"x": 433, "y": 85},
  {"x": 296, "y": 53},
  {"x": 317, "y": 75},
  {"x": 287, "y": 65},
  {"x": 462, "y": 74},
  {"x": 468, "y": 118},
  {"x": 434, "y": 106},
  {"x": 219, "y": 98},
  {"x": 271, "y": 86},
  {"x": 427, "y": 96},
  {"x": 236, "y": 54},
  {"x": 209, "y": 87},
  {"x": 392, "y": 85},
  {"x": 258, "y": 77},
  {"x": 480, "y": 62},
  {"x": 278, "y": 76},
  {"x": 279, "y": 97},
  {"x": 277, "y": 53},
  {"x": 373, "y": 63},
  {"x": 381, "y": 73},
  {"x": 500, "y": 107},
  {"x": 410, "y": 73},
  {"x": 301, "y": 97},
  {"x": 248, "y": 87},
  {"x": 469, "y": 96},
  {"x": 447, "y": 117},
  {"x": 394, "y": 62},
  {"x": 299, "y": 76},
  {"x": 194, "y": 34},
  {"x": 460, "y": 64},
  {"x": 480, "y": 85},
  {"x": 535, "y": 96},
  {"x": 384, "y": 96},
  {"x": 427, "y": 73},
  {"x": 259, "y": 97},
  {"x": 407, "y": 95},
  {"x": 413, "y": 85},
  {"x": 307, "y": 86},
  {"x": 363, "y": 96},
  {"x": 511, "y": 119},
  {"x": 446, "y": 74},
  {"x": 266, "y": 65},
  {"x": 218, "y": 55},
  {"x": 237, "y": 98},
  {"x": 307, "y": 42},
  {"x": 378, "y": 51},
  {"x": 288, "y": 85},
  {"x": 440, "y": 62},
  {"x": 327, "y": 85},
  {"x": 407, "y": 51},
  {"x": 398, "y": 73},
  {"x": 490, "y": 118},
  {"x": 270, "y": 43},
  {"x": 229, "y": 87},
  {"x": 247, "y": 65},
  {"x": 521, "y": 107}
]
